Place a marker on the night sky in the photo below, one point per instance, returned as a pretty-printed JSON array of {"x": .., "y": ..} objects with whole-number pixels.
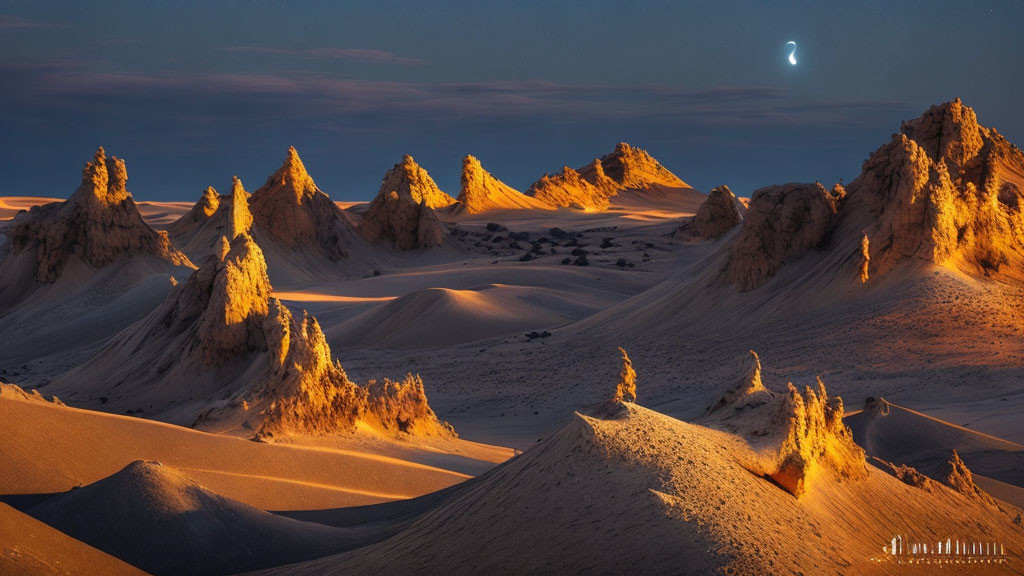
[{"x": 191, "y": 94}]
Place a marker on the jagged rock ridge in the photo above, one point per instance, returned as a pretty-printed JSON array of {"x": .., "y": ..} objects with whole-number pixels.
[
  {"x": 794, "y": 432},
  {"x": 411, "y": 182},
  {"x": 568, "y": 189},
  {"x": 99, "y": 223},
  {"x": 629, "y": 168},
  {"x": 481, "y": 192}
]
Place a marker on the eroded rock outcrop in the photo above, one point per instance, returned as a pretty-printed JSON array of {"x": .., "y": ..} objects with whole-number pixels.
[
  {"x": 221, "y": 337},
  {"x": 290, "y": 210},
  {"x": 955, "y": 474},
  {"x": 570, "y": 190},
  {"x": 99, "y": 223},
  {"x": 720, "y": 213},
  {"x": 793, "y": 432},
  {"x": 625, "y": 391},
  {"x": 411, "y": 182},
  {"x": 200, "y": 212},
  {"x": 629, "y": 168},
  {"x": 482, "y": 192},
  {"x": 781, "y": 225},
  {"x": 401, "y": 222},
  {"x": 944, "y": 189}
]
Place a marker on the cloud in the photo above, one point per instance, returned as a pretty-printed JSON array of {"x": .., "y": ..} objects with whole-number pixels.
[
  {"x": 11, "y": 22},
  {"x": 363, "y": 55}
]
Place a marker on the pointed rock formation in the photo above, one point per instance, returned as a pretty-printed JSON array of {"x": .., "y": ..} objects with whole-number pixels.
[
  {"x": 200, "y": 212},
  {"x": 794, "y": 433},
  {"x": 412, "y": 183},
  {"x": 482, "y": 192},
  {"x": 222, "y": 339},
  {"x": 781, "y": 225},
  {"x": 626, "y": 389},
  {"x": 944, "y": 189},
  {"x": 568, "y": 189},
  {"x": 238, "y": 215},
  {"x": 720, "y": 213},
  {"x": 99, "y": 223},
  {"x": 957, "y": 476},
  {"x": 629, "y": 168},
  {"x": 290, "y": 210},
  {"x": 400, "y": 214}
]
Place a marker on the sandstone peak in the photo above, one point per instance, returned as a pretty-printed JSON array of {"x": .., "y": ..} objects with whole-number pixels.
[
  {"x": 718, "y": 214},
  {"x": 632, "y": 168},
  {"x": 99, "y": 223},
  {"x": 481, "y": 191},
  {"x": 290, "y": 210},
  {"x": 239, "y": 217},
  {"x": 794, "y": 432},
  {"x": 955, "y": 474},
  {"x": 208, "y": 202},
  {"x": 412, "y": 182},
  {"x": 944, "y": 189}
]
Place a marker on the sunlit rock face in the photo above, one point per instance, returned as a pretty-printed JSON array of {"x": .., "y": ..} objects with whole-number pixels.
[
  {"x": 290, "y": 210},
  {"x": 720, "y": 213},
  {"x": 412, "y": 182},
  {"x": 99, "y": 223},
  {"x": 400, "y": 215},
  {"x": 201, "y": 212},
  {"x": 944, "y": 190},
  {"x": 629, "y": 168},
  {"x": 481, "y": 191},
  {"x": 795, "y": 433},
  {"x": 570, "y": 190},
  {"x": 781, "y": 225}
]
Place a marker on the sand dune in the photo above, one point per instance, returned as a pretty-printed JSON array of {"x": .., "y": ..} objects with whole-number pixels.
[
  {"x": 42, "y": 452},
  {"x": 165, "y": 523},
  {"x": 11, "y": 205},
  {"x": 644, "y": 493},
  {"x": 30, "y": 548},
  {"x": 438, "y": 317}
]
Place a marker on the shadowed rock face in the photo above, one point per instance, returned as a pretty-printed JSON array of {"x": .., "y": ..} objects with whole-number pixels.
[
  {"x": 401, "y": 222},
  {"x": 629, "y": 168},
  {"x": 413, "y": 183},
  {"x": 293, "y": 212},
  {"x": 99, "y": 223},
  {"x": 943, "y": 189},
  {"x": 795, "y": 432},
  {"x": 720, "y": 213},
  {"x": 781, "y": 225},
  {"x": 481, "y": 191}
]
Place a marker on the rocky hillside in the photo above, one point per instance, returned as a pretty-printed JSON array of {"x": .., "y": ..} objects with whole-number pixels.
[
  {"x": 401, "y": 214},
  {"x": 570, "y": 190},
  {"x": 99, "y": 224}
]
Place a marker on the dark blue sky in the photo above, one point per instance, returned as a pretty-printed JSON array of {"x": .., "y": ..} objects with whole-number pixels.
[{"x": 191, "y": 93}]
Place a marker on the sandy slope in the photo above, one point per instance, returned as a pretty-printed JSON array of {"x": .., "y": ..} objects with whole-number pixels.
[
  {"x": 30, "y": 548},
  {"x": 649, "y": 494},
  {"x": 49, "y": 448}
]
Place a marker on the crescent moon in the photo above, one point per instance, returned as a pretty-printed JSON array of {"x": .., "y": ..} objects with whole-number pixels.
[{"x": 792, "y": 52}]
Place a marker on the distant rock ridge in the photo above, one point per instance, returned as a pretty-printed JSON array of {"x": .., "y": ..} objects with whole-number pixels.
[
  {"x": 781, "y": 225},
  {"x": 411, "y": 182},
  {"x": 720, "y": 213},
  {"x": 480, "y": 192},
  {"x": 201, "y": 211},
  {"x": 592, "y": 186},
  {"x": 630, "y": 168},
  {"x": 400, "y": 214},
  {"x": 99, "y": 223},
  {"x": 794, "y": 432},
  {"x": 570, "y": 190},
  {"x": 290, "y": 210}
]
